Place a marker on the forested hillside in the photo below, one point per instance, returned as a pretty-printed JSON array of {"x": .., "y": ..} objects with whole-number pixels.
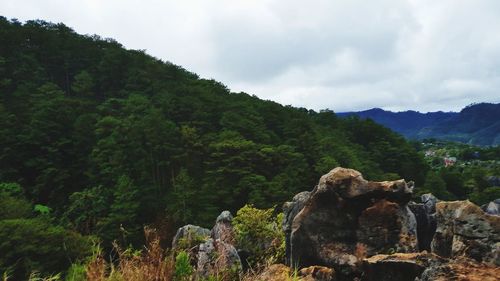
[{"x": 105, "y": 140}]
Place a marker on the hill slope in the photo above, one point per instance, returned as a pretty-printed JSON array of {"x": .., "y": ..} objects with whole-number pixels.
[
  {"x": 477, "y": 124},
  {"x": 111, "y": 138}
]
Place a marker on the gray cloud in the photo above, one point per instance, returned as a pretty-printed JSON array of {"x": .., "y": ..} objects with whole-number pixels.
[{"x": 343, "y": 55}]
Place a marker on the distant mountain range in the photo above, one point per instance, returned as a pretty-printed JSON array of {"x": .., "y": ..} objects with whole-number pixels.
[{"x": 477, "y": 124}]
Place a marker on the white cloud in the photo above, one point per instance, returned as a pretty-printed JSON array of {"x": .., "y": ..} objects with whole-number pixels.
[{"x": 343, "y": 55}]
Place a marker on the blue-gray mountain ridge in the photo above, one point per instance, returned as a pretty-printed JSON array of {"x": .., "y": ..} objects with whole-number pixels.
[{"x": 477, "y": 124}]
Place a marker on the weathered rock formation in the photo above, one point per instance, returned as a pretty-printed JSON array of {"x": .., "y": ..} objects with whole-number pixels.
[
  {"x": 217, "y": 258},
  {"x": 317, "y": 273},
  {"x": 399, "y": 266},
  {"x": 348, "y": 228},
  {"x": 461, "y": 270},
  {"x": 212, "y": 252},
  {"x": 346, "y": 218},
  {"x": 189, "y": 236},
  {"x": 463, "y": 229},
  {"x": 223, "y": 228},
  {"x": 425, "y": 267},
  {"x": 492, "y": 208}
]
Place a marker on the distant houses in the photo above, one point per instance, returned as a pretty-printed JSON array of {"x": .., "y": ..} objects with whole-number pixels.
[
  {"x": 430, "y": 153},
  {"x": 449, "y": 161},
  {"x": 436, "y": 155}
]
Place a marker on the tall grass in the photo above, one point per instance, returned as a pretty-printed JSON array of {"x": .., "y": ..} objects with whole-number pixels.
[{"x": 153, "y": 263}]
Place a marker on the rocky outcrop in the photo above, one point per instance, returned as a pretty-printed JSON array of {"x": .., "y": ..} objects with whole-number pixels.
[
  {"x": 426, "y": 267},
  {"x": 218, "y": 258},
  {"x": 348, "y": 228},
  {"x": 223, "y": 228},
  {"x": 317, "y": 273},
  {"x": 461, "y": 270},
  {"x": 212, "y": 252},
  {"x": 189, "y": 236},
  {"x": 463, "y": 229},
  {"x": 492, "y": 208},
  {"x": 346, "y": 218},
  {"x": 398, "y": 267}
]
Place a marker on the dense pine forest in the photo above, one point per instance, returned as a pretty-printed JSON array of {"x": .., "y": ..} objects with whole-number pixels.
[{"x": 98, "y": 141}]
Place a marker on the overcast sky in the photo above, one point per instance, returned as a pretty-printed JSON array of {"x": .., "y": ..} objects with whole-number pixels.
[{"x": 347, "y": 55}]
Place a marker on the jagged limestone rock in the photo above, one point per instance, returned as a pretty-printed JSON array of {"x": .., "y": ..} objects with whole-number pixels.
[
  {"x": 223, "y": 228},
  {"x": 212, "y": 252},
  {"x": 317, "y": 273},
  {"x": 189, "y": 236},
  {"x": 399, "y": 266},
  {"x": 463, "y": 229},
  {"x": 462, "y": 270},
  {"x": 426, "y": 267},
  {"x": 217, "y": 258},
  {"x": 492, "y": 208},
  {"x": 346, "y": 217}
]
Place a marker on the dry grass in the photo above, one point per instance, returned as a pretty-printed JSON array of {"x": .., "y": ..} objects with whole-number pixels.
[
  {"x": 361, "y": 251},
  {"x": 150, "y": 264},
  {"x": 272, "y": 272}
]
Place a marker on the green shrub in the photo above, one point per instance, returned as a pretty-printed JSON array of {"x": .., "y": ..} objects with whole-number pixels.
[
  {"x": 11, "y": 189},
  {"x": 260, "y": 233},
  {"x": 183, "y": 268},
  {"x": 13, "y": 207},
  {"x": 76, "y": 272},
  {"x": 35, "y": 245}
]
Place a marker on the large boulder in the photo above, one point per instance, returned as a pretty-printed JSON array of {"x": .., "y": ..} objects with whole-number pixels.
[
  {"x": 463, "y": 229},
  {"x": 346, "y": 218}
]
